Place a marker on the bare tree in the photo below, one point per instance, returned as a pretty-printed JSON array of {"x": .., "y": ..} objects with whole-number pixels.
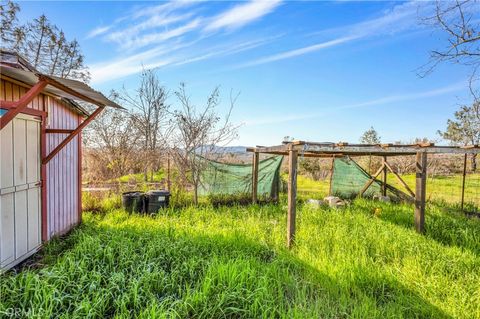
[
  {"x": 11, "y": 33},
  {"x": 110, "y": 142},
  {"x": 459, "y": 21},
  {"x": 150, "y": 118},
  {"x": 199, "y": 131},
  {"x": 42, "y": 44}
]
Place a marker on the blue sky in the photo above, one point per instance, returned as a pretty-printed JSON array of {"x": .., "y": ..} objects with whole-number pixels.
[{"x": 318, "y": 71}]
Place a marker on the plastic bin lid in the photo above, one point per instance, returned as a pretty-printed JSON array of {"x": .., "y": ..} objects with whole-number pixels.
[
  {"x": 160, "y": 192},
  {"x": 134, "y": 193}
]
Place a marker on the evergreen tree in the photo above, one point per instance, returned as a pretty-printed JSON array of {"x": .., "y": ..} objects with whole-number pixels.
[{"x": 370, "y": 136}]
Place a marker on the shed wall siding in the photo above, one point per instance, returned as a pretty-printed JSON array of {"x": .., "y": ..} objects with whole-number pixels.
[
  {"x": 63, "y": 194},
  {"x": 12, "y": 92},
  {"x": 62, "y": 171}
]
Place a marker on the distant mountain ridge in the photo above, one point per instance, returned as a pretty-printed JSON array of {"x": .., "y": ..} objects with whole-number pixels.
[{"x": 229, "y": 149}]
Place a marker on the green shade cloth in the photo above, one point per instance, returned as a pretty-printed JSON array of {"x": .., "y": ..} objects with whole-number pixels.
[
  {"x": 222, "y": 178},
  {"x": 349, "y": 178}
]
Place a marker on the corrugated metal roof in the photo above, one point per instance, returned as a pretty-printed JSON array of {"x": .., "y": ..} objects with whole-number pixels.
[
  {"x": 15, "y": 60},
  {"x": 81, "y": 88},
  {"x": 77, "y": 107}
]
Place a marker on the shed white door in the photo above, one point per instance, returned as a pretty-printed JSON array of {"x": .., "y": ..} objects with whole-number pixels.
[{"x": 20, "y": 199}]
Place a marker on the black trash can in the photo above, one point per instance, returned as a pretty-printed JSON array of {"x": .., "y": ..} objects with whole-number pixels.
[
  {"x": 155, "y": 200},
  {"x": 133, "y": 202}
]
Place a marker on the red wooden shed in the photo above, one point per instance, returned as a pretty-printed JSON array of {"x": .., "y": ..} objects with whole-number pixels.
[{"x": 40, "y": 156}]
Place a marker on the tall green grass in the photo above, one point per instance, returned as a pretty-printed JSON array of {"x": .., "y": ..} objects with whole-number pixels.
[
  {"x": 157, "y": 177},
  {"x": 364, "y": 261},
  {"x": 446, "y": 189}
]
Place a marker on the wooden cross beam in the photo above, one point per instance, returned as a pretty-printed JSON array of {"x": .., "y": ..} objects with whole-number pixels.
[
  {"x": 72, "y": 135},
  {"x": 400, "y": 180},
  {"x": 58, "y": 130},
  {"x": 371, "y": 180},
  {"x": 20, "y": 105}
]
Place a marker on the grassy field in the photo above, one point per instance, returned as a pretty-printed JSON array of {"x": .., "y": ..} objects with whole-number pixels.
[
  {"x": 445, "y": 188},
  {"x": 439, "y": 188},
  {"x": 364, "y": 261},
  {"x": 139, "y": 177}
]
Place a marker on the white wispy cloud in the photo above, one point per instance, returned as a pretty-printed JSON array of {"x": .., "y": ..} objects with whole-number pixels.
[
  {"x": 148, "y": 25},
  {"x": 98, "y": 31},
  {"x": 226, "y": 50},
  {"x": 297, "y": 52},
  {"x": 152, "y": 22},
  {"x": 242, "y": 14},
  {"x": 400, "y": 18},
  {"x": 121, "y": 67},
  {"x": 167, "y": 55},
  {"x": 386, "y": 100},
  {"x": 158, "y": 37},
  {"x": 163, "y": 8},
  {"x": 174, "y": 26}
]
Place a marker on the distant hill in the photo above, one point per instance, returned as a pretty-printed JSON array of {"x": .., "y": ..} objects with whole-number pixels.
[{"x": 230, "y": 150}]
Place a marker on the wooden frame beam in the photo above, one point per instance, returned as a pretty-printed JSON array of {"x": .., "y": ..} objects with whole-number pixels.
[
  {"x": 255, "y": 159},
  {"x": 7, "y": 104},
  {"x": 420, "y": 191},
  {"x": 371, "y": 180},
  {"x": 58, "y": 130},
  {"x": 409, "y": 190},
  {"x": 72, "y": 135},
  {"x": 312, "y": 149},
  {"x": 292, "y": 197},
  {"x": 18, "y": 106}
]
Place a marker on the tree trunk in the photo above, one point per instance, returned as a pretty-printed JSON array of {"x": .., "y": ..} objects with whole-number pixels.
[
  {"x": 195, "y": 194},
  {"x": 39, "y": 48}
]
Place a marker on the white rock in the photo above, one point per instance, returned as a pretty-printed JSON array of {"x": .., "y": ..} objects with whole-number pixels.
[
  {"x": 315, "y": 202},
  {"x": 334, "y": 201},
  {"x": 381, "y": 198}
]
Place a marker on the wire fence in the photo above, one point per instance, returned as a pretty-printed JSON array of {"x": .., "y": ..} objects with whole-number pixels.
[{"x": 446, "y": 181}]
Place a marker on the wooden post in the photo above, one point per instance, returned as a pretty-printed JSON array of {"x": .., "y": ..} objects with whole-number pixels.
[
  {"x": 384, "y": 177},
  {"x": 256, "y": 157},
  {"x": 332, "y": 167},
  {"x": 420, "y": 191},
  {"x": 292, "y": 196},
  {"x": 463, "y": 180},
  {"x": 169, "y": 182}
]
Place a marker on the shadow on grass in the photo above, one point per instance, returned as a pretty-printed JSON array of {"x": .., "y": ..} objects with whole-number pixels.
[
  {"x": 443, "y": 223},
  {"x": 140, "y": 270}
]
